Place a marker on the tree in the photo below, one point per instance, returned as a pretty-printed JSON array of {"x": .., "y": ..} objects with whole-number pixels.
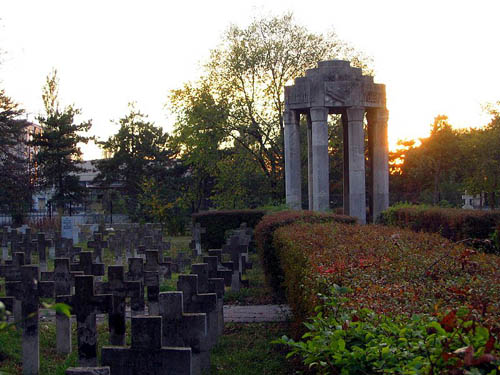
[
  {"x": 59, "y": 155},
  {"x": 140, "y": 151},
  {"x": 15, "y": 186},
  {"x": 246, "y": 75}
]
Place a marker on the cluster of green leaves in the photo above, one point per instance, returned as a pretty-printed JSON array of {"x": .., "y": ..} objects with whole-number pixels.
[
  {"x": 343, "y": 341},
  {"x": 447, "y": 163}
]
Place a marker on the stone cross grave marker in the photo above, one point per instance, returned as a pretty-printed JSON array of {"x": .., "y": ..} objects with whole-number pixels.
[
  {"x": 185, "y": 329},
  {"x": 64, "y": 281},
  {"x": 211, "y": 285},
  {"x": 120, "y": 289},
  {"x": 87, "y": 266},
  {"x": 195, "y": 302},
  {"x": 136, "y": 273},
  {"x": 197, "y": 232},
  {"x": 4, "y": 243},
  {"x": 85, "y": 305},
  {"x": 152, "y": 280},
  {"x": 98, "y": 244},
  {"x": 12, "y": 272},
  {"x": 41, "y": 245},
  {"x": 29, "y": 290},
  {"x": 146, "y": 355},
  {"x": 27, "y": 246},
  {"x": 216, "y": 269}
]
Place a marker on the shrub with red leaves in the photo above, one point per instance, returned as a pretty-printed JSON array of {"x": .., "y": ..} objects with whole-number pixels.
[
  {"x": 388, "y": 270},
  {"x": 264, "y": 232}
]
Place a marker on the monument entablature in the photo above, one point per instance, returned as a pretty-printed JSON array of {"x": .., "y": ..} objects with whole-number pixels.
[{"x": 335, "y": 87}]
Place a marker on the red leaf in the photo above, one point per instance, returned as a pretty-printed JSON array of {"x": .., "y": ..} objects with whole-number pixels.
[
  {"x": 489, "y": 344},
  {"x": 485, "y": 358},
  {"x": 449, "y": 321}
]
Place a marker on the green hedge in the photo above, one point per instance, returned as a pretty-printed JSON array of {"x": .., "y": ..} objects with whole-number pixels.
[
  {"x": 264, "y": 239},
  {"x": 452, "y": 223},
  {"x": 217, "y": 223},
  {"x": 388, "y": 270}
]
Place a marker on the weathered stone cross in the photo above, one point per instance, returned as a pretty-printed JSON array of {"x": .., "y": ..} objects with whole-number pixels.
[
  {"x": 146, "y": 355},
  {"x": 120, "y": 289},
  {"x": 29, "y": 290},
  {"x": 98, "y": 244},
  {"x": 85, "y": 305}
]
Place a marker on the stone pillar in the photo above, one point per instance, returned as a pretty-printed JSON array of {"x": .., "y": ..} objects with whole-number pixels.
[
  {"x": 379, "y": 161},
  {"x": 292, "y": 160},
  {"x": 309, "y": 162},
  {"x": 320, "y": 170},
  {"x": 355, "y": 149}
]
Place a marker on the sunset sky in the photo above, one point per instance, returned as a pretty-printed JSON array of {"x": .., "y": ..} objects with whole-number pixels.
[{"x": 436, "y": 57}]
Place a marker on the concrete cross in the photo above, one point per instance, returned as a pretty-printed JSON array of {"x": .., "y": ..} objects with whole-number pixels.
[
  {"x": 98, "y": 244},
  {"x": 146, "y": 355},
  {"x": 42, "y": 243},
  {"x": 206, "y": 284},
  {"x": 182, "y": 329},
  {"x": 152, "y": 280},
  {"x": 195, "y": 302},
  {"x": 64, "y": 281},
  {"x": 120, "y": 289},
  {"x": 29, "y": 290},
  {"x": 85, "y": 305},
  {"x": 87, "y": 266},
  {"x": 27, "y": 246},
  {"x": 136, "y": 273}
]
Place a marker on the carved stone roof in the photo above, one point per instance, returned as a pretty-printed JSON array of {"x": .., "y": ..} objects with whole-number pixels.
[{"x": 334, "y": 84}]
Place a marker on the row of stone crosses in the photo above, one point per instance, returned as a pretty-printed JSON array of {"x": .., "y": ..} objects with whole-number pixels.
[{"x": 171, "y": 332}]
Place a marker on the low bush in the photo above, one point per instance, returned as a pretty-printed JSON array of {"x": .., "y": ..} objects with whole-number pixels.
[
  {"x": 414, "y": 303},
  {"x": 264, "y": 232},
  {"x": 389, "y": 270},
  {"x": 217, "y": 223},
  {"x": 452, "y": 223},
  {"x": 363, "y": 342}
]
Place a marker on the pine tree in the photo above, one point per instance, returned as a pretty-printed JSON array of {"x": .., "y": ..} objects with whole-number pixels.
[{"x": 59, "y": 156}]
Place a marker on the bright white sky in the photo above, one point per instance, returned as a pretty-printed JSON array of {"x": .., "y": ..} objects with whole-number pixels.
[{"x": 436, "y": 57}]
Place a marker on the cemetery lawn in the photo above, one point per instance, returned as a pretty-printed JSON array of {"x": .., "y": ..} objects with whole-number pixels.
[{"x": 246, "y": 349}]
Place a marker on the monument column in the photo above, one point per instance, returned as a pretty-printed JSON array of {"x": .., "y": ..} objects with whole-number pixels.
[
  {"x": 320, "y": 167},
  {"x": 379, "y": 160},
  {"x": 292, "y": 159},
  {"x": 354, "y": 149},
  {"x": 309, "y": 162}
]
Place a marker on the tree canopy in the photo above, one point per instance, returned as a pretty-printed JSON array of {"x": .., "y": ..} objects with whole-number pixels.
[
  {"x": 243, "y": 84},
  {"x": 59, "y": 156}
]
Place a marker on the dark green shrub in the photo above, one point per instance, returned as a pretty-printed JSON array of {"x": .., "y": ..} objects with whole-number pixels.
[
  {"x": 217, "y": 223},
  {"x": 264, "y": 239}
]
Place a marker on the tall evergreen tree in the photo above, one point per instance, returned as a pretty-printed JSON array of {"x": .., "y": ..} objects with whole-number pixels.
[
  {"x": 59, "y": 156},
  {"x": 15, "y": 184}
]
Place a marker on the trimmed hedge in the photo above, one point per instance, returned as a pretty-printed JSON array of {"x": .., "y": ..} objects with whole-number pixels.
[
  {"x": 388, "y": 270},
  {"x": 264, "y": 239},
  {"x": 452, "y": 223},
  {"x": 217, "y": 223}
]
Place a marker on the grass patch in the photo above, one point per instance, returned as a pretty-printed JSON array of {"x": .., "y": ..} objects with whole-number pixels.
[{"x": 246, "y": 349}]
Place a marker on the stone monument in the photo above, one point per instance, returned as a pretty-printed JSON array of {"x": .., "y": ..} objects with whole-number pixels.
[{"x": 335, "y": 87}]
